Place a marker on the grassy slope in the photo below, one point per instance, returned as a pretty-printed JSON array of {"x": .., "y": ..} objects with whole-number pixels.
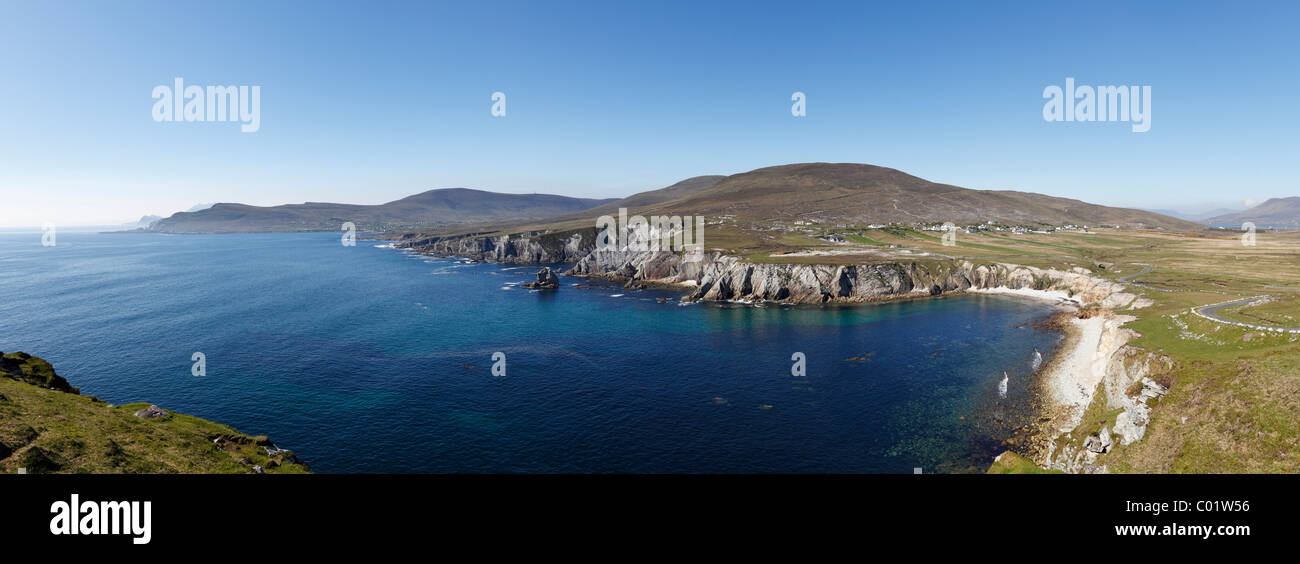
[
  {"x": 1235, "y": 391},
  {"x": 45, "y": 430}
]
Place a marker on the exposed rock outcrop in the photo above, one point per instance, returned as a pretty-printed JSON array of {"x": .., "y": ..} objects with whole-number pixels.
[
  {"x": 152, "y": 412},
  {"x": 531, "y": 248},
  {"x": 720, "y": 277},
  {"x": 1132, "y": 384},
  {"x": 32, "y": 370},
  {"x": 546, "y": 279},
  {"x": 1130, "y": 379}
]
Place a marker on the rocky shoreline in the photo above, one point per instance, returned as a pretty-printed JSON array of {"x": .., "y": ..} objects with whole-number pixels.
[
  {"x": 719, "y": 277},
  {"x": 1094, "y": 359}
]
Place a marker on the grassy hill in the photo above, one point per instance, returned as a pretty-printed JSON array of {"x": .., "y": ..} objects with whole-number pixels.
[
  {"x": 432, "y": 208},
  {"x": 859, "y": 193},
  {"x": 748, "y": 212},
  {"x": 862, "y": 194},
  {"x": 47, "y": 426}
]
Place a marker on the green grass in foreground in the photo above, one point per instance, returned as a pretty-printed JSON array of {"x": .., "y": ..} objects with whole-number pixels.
[{"x": 44, "y": 430}]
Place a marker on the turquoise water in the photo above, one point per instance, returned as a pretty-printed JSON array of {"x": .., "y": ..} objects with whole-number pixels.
[{"x": 369, "y": 359}]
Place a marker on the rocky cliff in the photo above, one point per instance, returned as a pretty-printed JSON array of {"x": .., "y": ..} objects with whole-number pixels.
[
  {"x": 24, "y": 367},
  {"x": 719, "y": 277},
  {"x": 1130, "y": 381},
  {"x": 530, "y": 248}
]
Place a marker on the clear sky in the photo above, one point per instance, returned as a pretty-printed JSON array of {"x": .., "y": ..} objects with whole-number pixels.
[{"x": 369, "y": 102}]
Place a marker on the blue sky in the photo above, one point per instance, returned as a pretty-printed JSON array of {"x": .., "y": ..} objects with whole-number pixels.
[{"x": 370, "y": 102}]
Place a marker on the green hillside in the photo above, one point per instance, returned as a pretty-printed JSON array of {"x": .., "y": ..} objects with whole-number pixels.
[{"x": 47, "y": 427}]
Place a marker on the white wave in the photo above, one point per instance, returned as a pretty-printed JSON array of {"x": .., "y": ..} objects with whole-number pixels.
[
  {"x": 1002, "y": 386},
  {"x": 616, "y": 295},
  {"x": 1038, "y": 360}
]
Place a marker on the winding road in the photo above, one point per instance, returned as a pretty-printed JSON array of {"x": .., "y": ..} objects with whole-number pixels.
[
  {"x": 1145, "y": 269},
  {"x": 1211, "y": 312}
]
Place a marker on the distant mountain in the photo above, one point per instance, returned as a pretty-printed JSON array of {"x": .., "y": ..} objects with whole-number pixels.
[
  {"x": 142, "y": 223},
  {"x": 1276, "y": 211},
  {"x": 856, "y": 194},
  {"x": 1174, "y": 213},
  {"x": 863, "y": 194},
  {"x": 199, "y": 207},
  {"x": 1198, "y": 217},
  {"x": 147, "y": 220},
  {"x": 641, "y": 200},
  {"x": 1203, "y": 217},
  {"x": 441, "y": 207}
]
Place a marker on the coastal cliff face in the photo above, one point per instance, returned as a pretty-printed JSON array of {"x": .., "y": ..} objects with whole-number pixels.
[
  {"x": 727, "y": 278},
  {"x": 719, "y": 277},
  {"x": 1107, "y": 374},
  {"x": 569, "y": 246}
]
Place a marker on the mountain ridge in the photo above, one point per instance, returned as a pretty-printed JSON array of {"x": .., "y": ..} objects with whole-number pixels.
[
  {"x": 847, "y": 193},
  {"x": 831, "y": 193},
  {"x": 437, "y": 207},
  {"x": 1274, "y": 211}
]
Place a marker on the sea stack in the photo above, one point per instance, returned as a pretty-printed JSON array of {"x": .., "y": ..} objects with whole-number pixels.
[{"x": 546, "y": 279}]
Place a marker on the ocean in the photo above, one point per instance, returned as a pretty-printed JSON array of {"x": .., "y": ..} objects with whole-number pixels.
[{"x": 371, "y": 359}]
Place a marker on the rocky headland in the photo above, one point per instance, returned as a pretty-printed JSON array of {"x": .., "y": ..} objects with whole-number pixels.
[{"x": 47, "y": 426}]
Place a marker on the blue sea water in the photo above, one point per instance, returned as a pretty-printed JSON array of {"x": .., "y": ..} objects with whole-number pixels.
[{"x": 370, "y": 359}]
